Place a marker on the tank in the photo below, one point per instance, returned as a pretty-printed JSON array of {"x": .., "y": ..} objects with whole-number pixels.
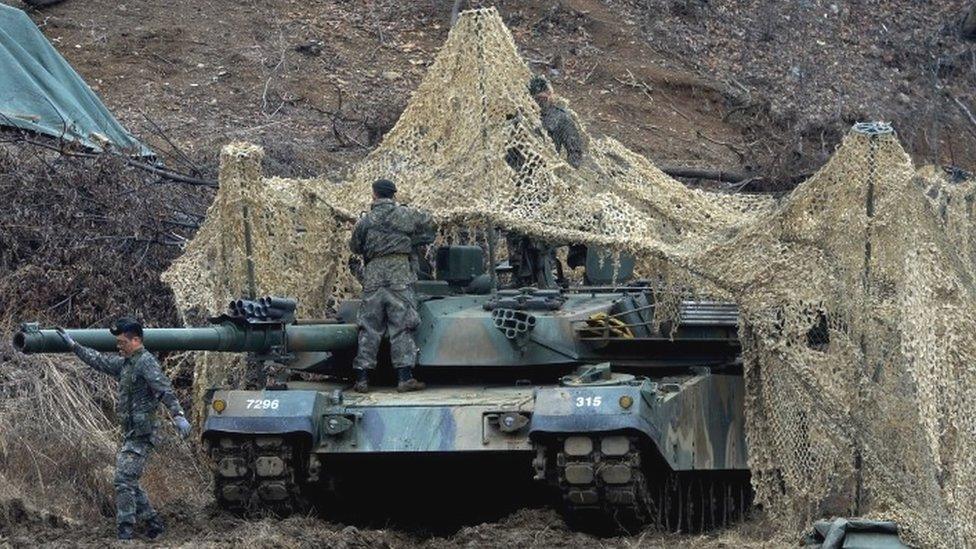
[{"x": 626, "y": 419}]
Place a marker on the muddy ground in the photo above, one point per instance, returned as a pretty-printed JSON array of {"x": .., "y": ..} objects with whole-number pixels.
[{"x": 207, "y": 527}]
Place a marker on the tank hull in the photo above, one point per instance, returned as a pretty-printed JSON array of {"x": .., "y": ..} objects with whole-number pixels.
[
  {"x": 616, "y": 450},
  {"x": 695, "y": 422}
]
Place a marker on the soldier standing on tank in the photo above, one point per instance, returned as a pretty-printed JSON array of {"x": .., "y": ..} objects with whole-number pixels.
[
  {"x": 557, "y": 121},
  {"x": 385, "y": 237},
  {"x": 142, "y": 385}
]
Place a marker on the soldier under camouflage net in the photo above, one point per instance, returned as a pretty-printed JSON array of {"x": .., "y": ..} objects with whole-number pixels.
[
  {"x": 142, "y": 385},
  {"x": 386, "y": 237},
  {"x": 557, "y": 121},
  {"x": 532, "y": 260},
  {"x": 565, "y": 132}
]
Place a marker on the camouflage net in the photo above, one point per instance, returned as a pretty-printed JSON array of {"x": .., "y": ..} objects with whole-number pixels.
[{"x": 857, "y": 302}]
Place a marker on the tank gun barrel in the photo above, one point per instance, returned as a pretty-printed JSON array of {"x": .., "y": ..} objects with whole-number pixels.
[{"x": 227, "y": 336}]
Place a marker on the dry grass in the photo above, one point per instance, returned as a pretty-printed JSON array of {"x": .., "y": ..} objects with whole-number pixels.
[
  {"x": 58, "y": 441},
  {"x": 81, "y": 241}
]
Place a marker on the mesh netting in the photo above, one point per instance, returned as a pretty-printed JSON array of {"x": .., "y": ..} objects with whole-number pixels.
[{"x": 856, "y": 291}]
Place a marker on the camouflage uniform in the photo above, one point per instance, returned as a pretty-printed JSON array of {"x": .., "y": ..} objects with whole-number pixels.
[
  {"x": 532, "y": 261},
  {"x": 386, "y": 237},
  {"x": 564, "y": 132},
  {"x": 142, "y": 384}
]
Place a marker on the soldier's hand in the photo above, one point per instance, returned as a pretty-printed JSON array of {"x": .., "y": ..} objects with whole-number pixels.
[
  {"x": 68, "y": 340},
  {"x": 182, "y": 426}
]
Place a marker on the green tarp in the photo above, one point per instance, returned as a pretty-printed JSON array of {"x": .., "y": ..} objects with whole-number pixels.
[{"x": 40, "y": 92}]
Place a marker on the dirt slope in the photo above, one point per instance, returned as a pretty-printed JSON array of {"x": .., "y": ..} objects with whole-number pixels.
[
  {"x": 761, "y": 86},
  {"x": 758, "y": 86},
  {"x": 318, "y": 83},
  {"x": 798, "y": 74}
]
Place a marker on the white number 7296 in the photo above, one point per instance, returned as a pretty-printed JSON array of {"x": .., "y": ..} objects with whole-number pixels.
[
  {"x": 588, "y": 401},
  {"x": 260, "y": 404}
]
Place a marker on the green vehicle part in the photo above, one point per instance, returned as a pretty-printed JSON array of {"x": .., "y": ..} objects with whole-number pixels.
[{"x": 227, "y": 336}]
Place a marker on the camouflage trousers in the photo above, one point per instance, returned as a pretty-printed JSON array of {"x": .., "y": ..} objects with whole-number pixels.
[
  {"x": 393, "y": 311},
  {"x": 131, "y": 502}
]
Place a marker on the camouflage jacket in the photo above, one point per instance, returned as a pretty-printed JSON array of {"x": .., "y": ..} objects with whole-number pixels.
[
  {"x": 142, "y": 384},
  {"x": 386, "y": 236},
  {"x": 564, "y": 132}
]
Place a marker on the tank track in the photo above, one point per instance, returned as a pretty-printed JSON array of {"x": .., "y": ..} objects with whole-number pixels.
[
  {"x": 693, "y": 502},
  {"x": 610, "y": 484},
  {"x": 256, "y": 475}
]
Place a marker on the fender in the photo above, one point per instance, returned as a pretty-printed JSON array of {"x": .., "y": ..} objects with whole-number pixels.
[
  {"x": 264, "y": 413},
  {"x": 696, "y": 422},
  {"x": 592, "y": 409}
]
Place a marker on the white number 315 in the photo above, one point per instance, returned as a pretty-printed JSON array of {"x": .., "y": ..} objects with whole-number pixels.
[{"x": 588, "y": 401}]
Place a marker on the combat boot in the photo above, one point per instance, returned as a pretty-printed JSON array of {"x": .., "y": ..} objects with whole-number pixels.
[
  {"x": 125, "y": 532},
  {"x": 362, "y": 381},
  {"x": 406, "y": 382},
  {"x": 155, "y": 528},
  {"x": 361, "y": 387}
]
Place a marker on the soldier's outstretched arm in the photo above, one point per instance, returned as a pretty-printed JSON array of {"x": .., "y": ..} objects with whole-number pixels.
[
  {"x": 159, "y": 384},
  {"x": 107, "y": 364}
]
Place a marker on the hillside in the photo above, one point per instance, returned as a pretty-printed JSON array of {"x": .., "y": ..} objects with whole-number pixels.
[{"x": 760, "y": 88}]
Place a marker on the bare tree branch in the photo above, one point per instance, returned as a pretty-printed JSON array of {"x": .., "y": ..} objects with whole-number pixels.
[
  {"x": 966, "y": 110},
  {"x": 151, "y": 168}
]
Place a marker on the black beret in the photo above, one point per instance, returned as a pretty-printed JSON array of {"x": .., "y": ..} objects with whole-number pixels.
[
  {"x": 384, "y": 187},
  {"x": 127, "y": 325}
]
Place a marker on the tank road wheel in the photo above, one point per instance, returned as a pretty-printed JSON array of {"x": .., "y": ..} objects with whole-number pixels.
[
  {"x": 608, "y": 483},
  {"x": 602, "y": 482},
  {"x": 257, "y": 475}
]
